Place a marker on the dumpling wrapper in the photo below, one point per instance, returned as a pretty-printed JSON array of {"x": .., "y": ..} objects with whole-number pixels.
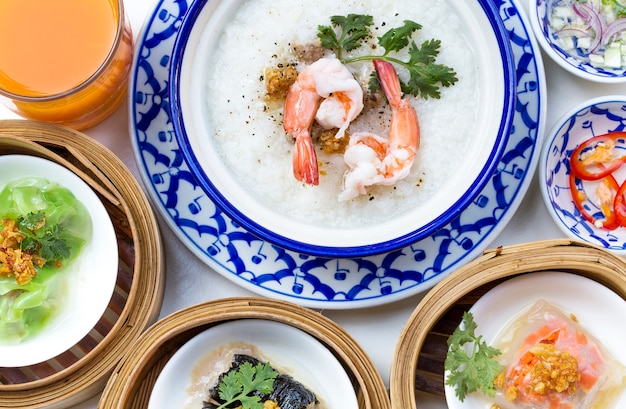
[{"x": 602, "y": 378}]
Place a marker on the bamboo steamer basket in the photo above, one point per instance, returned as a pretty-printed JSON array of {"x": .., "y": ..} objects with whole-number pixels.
[
  {"x": 82, "y": 371},
  {"x": 422, "y": 346},
  {"x": 131, "y": 384}
]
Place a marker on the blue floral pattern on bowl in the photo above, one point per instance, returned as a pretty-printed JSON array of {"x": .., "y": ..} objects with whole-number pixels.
[
  {"x": 595, "y": 117},
  {"x": 308, "y": 280}
]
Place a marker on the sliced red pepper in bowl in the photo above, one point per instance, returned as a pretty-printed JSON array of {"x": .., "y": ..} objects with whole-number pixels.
[
  {"x": 619, "y": 206},
  {"x": 598, "y": 156},
  {"x": 607, "y": 190}
]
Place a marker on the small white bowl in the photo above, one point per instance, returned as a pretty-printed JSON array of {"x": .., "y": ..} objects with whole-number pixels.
[
  {"x": 575, "y": 62},
  {"x": 289, "y": 350},
  {"x": 593, "y": 117},
  {"x": 90, "y": 279},
  {"x": 192, "y": 60},
  {"x": 598, "y": 315}
]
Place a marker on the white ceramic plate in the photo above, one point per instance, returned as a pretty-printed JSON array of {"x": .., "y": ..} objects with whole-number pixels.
[
  {"x": 310, "y": 363},
  {"x": 598, "y": 309},
  {"x": 91, "y": 278},
  {"x": 319, "y": 282}
]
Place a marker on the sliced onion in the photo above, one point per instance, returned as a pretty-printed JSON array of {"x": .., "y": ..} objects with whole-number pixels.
[
  {"x": 594, "y": 19},
  {"x": 612, "y": 29},
  {"x": 573, "y": 32}
]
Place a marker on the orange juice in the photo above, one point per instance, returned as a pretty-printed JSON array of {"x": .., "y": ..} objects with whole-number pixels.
[{"x": 64, "y": 61}]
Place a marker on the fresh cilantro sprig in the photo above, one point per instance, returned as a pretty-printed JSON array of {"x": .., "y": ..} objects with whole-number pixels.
[
  {"x": 41, "y": 239},
  {"x": 474, "y": 371},
  {"x": 425, "y": 75},
  {"x": 355, "y": 28},
  {"x": 238, "y": 385}
]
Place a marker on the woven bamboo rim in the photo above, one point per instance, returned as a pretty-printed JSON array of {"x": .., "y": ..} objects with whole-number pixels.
[
  {"x": 83, "y": 371},
  {"x": 421, "y": 349},
  {"x": 131, "y": 384}
]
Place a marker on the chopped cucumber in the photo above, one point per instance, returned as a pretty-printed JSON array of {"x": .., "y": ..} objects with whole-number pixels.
[{"x": 613, "y": 56}]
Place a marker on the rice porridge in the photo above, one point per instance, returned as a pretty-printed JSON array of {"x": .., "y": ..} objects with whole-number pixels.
[{"x": 250, "y": 135}]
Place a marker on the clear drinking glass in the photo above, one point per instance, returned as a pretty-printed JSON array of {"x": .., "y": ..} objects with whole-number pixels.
[{"x": 64, "y": 61}]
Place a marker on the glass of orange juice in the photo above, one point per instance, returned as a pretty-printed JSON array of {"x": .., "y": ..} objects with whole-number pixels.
[{"x": 64, "y": 61}]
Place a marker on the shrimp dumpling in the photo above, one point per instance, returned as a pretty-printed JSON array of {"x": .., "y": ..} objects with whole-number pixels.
[{"x": 552, "y": 362}]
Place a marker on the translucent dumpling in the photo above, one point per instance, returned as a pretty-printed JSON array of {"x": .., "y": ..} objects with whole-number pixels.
[{"x": 552, "y": 362}]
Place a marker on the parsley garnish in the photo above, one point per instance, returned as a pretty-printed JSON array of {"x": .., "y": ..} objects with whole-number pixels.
[
  {"x": 40, "y": 239},
  {"x": 32, "y": 221},
  {"x": 239, "y": 385},
  {"x": 474, "y": 371},
  {"x": 354, "y": 28},
  {"x": 425, "y": 75}
]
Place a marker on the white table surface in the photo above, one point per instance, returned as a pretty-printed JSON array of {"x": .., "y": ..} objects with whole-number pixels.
[{"x": 377, "y": 329}]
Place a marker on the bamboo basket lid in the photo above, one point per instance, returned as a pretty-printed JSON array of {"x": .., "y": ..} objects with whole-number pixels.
[
  {"x": 82, "y": 371},
  {"x": 422, "y": 346},
  {"x": 131, "y": 384}
]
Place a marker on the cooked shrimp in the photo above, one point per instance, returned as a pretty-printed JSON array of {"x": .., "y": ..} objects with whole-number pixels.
[
  {"x": 374, "y": 160},
  {"x": 324, "y": 91}
]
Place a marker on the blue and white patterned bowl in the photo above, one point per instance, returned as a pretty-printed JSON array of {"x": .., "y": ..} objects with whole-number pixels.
[
  {"x": 187, "y": 91},
  {"x": 577, "y": 64},
  {"x": 594, "y": 117}
]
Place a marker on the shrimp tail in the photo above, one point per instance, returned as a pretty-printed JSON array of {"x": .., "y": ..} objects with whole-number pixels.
[
  {"x": 299, "y": 113},
  {"x": 305, "y": 161},
  {"x": 389, "y": 81}
]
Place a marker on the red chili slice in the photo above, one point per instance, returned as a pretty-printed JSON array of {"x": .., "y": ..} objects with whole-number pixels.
[
  {"x": 619, "y": 206},
  {"x": 597, "y": 157},
  {"x": 607, "y": 207}
]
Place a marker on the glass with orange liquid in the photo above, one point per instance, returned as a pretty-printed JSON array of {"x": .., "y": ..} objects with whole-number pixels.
[{"x": 64, "y": 61}]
